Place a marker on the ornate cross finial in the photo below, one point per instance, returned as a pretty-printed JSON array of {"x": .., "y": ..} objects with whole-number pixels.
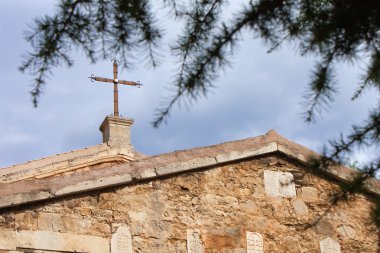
[{"x": 115, "y": 81}]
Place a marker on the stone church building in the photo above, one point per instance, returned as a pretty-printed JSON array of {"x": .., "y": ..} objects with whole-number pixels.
[{"x": 248, "y": 196}]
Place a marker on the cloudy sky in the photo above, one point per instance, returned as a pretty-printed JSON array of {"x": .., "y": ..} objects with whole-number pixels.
[{"x": 260, "y": 92}]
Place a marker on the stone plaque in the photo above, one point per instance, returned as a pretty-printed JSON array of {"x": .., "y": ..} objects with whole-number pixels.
[
  {"x": 194, "y": 243},
  {"x": 121, "y": 240},
  {"x": 255, "y": 243},
  {"x": 279, "y": 184},
  {"x": 328, "y": 245}
]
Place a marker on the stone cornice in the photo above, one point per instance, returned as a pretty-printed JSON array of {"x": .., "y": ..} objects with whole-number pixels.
[
  {"x": 27, "y": 191},
  {"x": 67, "y": 162}
]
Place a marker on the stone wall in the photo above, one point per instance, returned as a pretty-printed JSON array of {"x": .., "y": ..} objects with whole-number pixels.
[{"x": 207, "y": 211}]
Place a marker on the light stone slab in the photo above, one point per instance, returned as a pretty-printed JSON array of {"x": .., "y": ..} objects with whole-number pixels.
[
  {"x": 279, "y": 184},
  {"x": 236, "y": 155},
  {"x": 309, "y": 194},
  {"x": 52, "y": 241},
  {"x": 121, "y": 240},
  {"x": 148, "y": 173},
  {"x": 194, "y": 242},
  {"x": 300, "y": 207},
  {"x": 94, "y": 184},
  {"x": 177, "y": 167},
  {"x": 290, "y": 152},
  {"x": 328, "y": 245},
  {"x": 255, "y": 242},
  {"x": 24, "y": 197},
  {"x": 347, "y": 230}
]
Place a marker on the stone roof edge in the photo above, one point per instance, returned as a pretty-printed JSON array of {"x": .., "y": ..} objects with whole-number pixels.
[
  {"x": 66, "y": 162},
  {"x": 53, "y": 159},
  {"x": 174, "y": 163},
  {"x": 339, "y": 172}
]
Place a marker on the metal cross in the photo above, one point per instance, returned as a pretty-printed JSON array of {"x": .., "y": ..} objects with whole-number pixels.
[{"x": 115, "y": 81}]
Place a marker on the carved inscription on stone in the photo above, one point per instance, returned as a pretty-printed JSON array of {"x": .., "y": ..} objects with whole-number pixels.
[
  {"x": 121, "y": 241},
  {"x": 255, "y": 243},
  {"x": 328, "y": 245},
  {"x": 194, "y": 243},
  {"x": 279, "y": 184}
]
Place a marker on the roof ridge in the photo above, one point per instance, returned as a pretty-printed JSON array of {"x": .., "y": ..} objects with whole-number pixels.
[
  {"x": 71, "y": 159},
  {"x": 51, "y": 156},
  {"x": 163, "y": 165}
]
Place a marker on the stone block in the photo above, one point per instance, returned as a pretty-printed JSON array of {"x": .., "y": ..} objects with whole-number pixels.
[
  {"x": 137, "y": 216},
  {"x": 309, "y": 194},
  {"x": 178, "y": 167},
  {"x": 236, "y": 155},
  {"x": 300, "y": 207},
  {"x": 292, "y": 153},
  {"x": 94, "y": 184},
  {"x": 26, "y": 221},
  {"x": 23, "y": 197},
  {"x": 50, "y": 221},
  {"x": 328, "y": 245},
  {"x": 121, "y": 240},
  {"x": 347, "y": 231},
  {"x": 100, "y": 229},
  {"x": 323, "y": 227},
  {"x": 255, "y": 243},
  {"x": 52, "y": 241},
  {"x": 194, "y": 243},
  {"x": 75, "y": 224},
  {"x": 148, "y": 173},
  {"x": 279, "y": 184}
]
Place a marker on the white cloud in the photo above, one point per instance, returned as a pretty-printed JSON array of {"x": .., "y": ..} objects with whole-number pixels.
[
  {"x": 16, "y": 137},
  {"x": 260, "y": 92}
]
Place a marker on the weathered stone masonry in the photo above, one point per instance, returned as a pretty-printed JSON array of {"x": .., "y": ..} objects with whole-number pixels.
[{"x": 189, "y": 201}]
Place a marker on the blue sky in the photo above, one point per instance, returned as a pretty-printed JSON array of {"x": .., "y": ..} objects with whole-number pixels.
[{"x": 260, "y": 92}]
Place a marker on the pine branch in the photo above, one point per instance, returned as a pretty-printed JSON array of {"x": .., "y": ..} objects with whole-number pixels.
[
  {"x": 368, "y": 133},
  {"x": 78, "y": 23},
  {"x": 49, "y": 48},
  {"x": 321, "y": 89},
  {"x": 372, "y": 77},
  {"x": 195, "y": 77}
]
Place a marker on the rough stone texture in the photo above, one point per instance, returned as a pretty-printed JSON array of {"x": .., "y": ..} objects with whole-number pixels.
[
  {"x": 73, "y": 180},
  {"x": 223, "y": 202}
]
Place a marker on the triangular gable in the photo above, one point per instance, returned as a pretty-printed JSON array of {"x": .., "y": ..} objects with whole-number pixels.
[
  {"x": 87, "y": 158},
  {"x": 26, "y": 191}
]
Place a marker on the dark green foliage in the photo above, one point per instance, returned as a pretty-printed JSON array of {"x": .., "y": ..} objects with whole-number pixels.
[
  {"x": 102, "y": 29},
  {"x": 334, "y": 31}
]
